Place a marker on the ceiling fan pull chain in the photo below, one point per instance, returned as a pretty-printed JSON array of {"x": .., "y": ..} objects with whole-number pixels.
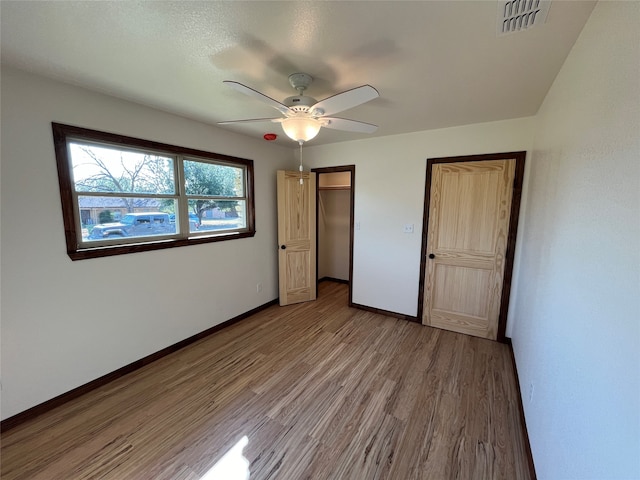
[{"x": 301, "y": 169}]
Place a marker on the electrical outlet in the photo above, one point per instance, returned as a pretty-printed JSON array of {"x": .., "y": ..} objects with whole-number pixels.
[
  {"x": 408, "y": 228},
  {"x": 531, "y": 388},
  {"x": 258, "y": 287},
  {"x": 357, "y": 225}
]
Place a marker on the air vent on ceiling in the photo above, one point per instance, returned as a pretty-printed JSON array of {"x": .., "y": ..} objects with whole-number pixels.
[{"x": 518, "y": 15}]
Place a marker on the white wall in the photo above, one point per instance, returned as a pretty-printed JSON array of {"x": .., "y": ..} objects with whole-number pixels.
[
  {"x": 577, "y": 331},
  {"x": 66, "y": 323},
  {"x": 389, "y": 193}
]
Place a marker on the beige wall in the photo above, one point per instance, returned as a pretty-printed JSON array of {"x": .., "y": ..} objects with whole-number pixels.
[
  {"x": 576, "y": 334},
  {"x": 66, "y": 323}
]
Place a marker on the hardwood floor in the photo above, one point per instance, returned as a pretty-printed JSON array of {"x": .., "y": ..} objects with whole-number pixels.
[{"x": 320, "y": 391}]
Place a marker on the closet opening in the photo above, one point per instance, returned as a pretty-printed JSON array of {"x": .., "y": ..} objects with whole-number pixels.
[{"x": 335, "y": 225}]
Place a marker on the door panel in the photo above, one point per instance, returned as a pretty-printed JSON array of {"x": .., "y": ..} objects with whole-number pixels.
[
  {"x": 297, "y": 234},
  {"x": 469, "y": 210},
  {"x": 461, "y": 289},
  {"x": 469, "y": 200}
]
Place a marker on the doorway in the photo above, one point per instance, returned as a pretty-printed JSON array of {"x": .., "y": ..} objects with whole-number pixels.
[
  {"x": 335, "y": 193},
  {"x": 468, "y": 243}
]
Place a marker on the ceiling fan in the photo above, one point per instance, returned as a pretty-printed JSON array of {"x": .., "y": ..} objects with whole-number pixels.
[{"x": 304, "y": 116}]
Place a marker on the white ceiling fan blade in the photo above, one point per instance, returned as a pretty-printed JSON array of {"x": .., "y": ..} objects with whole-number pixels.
[
  {"x": 250, "y": 120},
  {"x": 345, "y": 100},
  {"x": 348, "y": 125},
  {"x": 256, "y": 94}
]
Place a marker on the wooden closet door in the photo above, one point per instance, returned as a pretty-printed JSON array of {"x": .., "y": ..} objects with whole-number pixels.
[
  {"x": 469, "y": 213},
  {"x": 296, "y": 237}
]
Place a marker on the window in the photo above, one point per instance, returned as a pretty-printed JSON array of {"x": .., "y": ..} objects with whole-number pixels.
[{"x": 124, "y": 195}]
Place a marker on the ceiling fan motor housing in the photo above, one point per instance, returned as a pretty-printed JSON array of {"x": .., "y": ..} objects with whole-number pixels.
[{"x": 299, "y": 103}]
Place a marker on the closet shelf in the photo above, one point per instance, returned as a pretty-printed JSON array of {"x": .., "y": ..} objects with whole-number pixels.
[{"x": 335, "y": 187}]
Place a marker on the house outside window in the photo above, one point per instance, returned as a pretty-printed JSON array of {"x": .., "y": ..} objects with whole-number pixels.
[{"x": 123, "y": 195}]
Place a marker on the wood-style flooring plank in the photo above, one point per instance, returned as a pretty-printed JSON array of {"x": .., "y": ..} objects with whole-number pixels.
[{"x": 318, "y": 391}]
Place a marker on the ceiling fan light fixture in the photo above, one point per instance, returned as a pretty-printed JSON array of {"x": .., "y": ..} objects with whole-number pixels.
[
  {"x": 304, "y": 116},
  {"x": 301, "y": 129}
]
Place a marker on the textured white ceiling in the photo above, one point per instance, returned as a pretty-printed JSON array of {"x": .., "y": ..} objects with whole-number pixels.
[{"x": 435, "y": 64}]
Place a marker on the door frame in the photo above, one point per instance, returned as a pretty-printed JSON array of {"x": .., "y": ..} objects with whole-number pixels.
[
  {"x": 341, "y": 168},
  {"x": 519, "y": 157}
]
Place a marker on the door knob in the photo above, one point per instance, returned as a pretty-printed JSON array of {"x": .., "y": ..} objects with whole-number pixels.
[
  {"x": 432, "y": 256},
  {"x": 283, "y": 247}
]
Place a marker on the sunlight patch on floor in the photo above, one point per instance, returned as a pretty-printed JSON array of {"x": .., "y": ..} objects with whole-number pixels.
[{"x": 232, "y": 466}]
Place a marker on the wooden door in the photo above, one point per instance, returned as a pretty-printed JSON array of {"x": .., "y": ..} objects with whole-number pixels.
[
  {"x": 468, "y": 229},
  {"x": 296, "y": 236}
]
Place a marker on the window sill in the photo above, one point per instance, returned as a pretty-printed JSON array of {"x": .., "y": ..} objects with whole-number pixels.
[{"x": 108, "y": 251}]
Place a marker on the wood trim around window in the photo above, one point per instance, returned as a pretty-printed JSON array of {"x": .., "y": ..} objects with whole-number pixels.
[{"x": 61, "y": 134}]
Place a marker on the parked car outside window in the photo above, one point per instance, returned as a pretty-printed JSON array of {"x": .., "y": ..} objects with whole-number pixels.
[
  {"x": 194, "y": 221},
  {"x": 135, "y": 225}
]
